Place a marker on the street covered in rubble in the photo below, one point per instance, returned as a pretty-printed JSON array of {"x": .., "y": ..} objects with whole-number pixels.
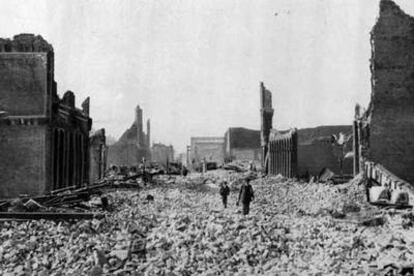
[
  {"x": 293, "y": 227},
  {"x": 207, "y": 138}
]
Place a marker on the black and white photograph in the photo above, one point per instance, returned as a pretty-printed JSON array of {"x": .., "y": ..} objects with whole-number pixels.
[{"x": 206, "y": 137}]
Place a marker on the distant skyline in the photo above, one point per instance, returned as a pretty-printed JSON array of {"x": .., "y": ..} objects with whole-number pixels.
[{"x": 195, "y": 67}]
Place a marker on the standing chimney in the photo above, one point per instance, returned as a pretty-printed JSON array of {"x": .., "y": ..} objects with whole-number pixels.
[{"x": 138, "y": 122}]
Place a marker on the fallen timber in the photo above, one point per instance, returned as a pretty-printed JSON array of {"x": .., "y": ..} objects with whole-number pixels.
[
  {"x": 49, "y": 215},
  {"x": 69, "y": 198}
]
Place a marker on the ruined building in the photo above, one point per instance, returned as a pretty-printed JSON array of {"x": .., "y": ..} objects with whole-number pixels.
[
  {"x": 385, "y": 132},
  {"x": 133, "y": 146},
  {"x": 98, "y": 155},
  {"x": 282, "y": 153},
  {"x": 301, "y": 152},
  {"x": 44, "y": 139},
  {"x": 210, "y": 149},
  {"x": 242, "y": 144},
  {"x": 162, "y": 154}
]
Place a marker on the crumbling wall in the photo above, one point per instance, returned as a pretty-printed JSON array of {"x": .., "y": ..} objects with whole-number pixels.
[
  {"x": 98, "y": 155},
  {"x": 266, "y": 118},
  {"x": 316, "y": 150},
  {"x": 309, "y": 135},
  {"x": 391, "y": 111},
  {"x": 312, "y": 158},
  {"x": 242, "y": 144}
]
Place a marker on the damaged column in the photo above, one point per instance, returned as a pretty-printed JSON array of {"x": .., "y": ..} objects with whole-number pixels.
[
  {"x": 266, "y": 115},
  {"x": 98, "y": 155}
]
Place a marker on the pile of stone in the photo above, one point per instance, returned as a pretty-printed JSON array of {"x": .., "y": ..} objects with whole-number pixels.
[{"x": 181, "y": 228}]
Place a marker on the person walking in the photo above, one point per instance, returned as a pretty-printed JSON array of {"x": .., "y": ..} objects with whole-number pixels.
[
  {"x": 246, "y": 195},
  {"x": 224, "y": 192}
]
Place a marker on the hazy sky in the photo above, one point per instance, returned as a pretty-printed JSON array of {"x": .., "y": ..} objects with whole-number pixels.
[{"x": 195, "y": 66}]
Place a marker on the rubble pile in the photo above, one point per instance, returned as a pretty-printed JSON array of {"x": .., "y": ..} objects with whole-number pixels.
[{"x": 181, "y": 228}]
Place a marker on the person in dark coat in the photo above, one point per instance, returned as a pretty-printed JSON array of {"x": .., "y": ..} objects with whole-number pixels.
[
  {"x": 246, "y": 195},
  {"x": 224, "y": 193}
]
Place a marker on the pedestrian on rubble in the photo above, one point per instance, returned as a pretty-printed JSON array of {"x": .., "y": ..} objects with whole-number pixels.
[
  {"x": 246, "y": 195},
  {"x": 224, "y": 192}
]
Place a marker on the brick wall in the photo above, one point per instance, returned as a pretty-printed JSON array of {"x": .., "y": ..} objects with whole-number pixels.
[
  {"x": 23, "y": 83},
  {"x": 391, "y": 137},
  {"x": 23, "y": 167}
]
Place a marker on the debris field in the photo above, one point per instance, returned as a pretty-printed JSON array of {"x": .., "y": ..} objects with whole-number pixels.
[{"x": 179, "y": 227}]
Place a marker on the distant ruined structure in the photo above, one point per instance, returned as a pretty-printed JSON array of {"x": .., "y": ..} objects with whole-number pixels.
[
  {"x": 133, "y": 146},
  {"x": 384, "y": 134},
  {"x": 242, "y": 144},
  {"x": 299, "y": 152},
  {"x": 162, "y": 154},
  {"x": 209, "y": 149},
  {"x": 44, "y": 139}
]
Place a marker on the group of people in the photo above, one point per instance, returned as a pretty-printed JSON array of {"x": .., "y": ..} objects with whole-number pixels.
[{"x": 246, "y": 195}]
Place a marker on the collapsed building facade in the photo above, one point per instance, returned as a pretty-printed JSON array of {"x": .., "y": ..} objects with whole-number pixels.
[
  {"x": 208, "y": 149},
  {"x": 134, "y": 144},
  {"x": 301, "y": 152},
  {"x": 384, "y": 134},
  {"x": 242, "y": 144},
  {"x": 44, "y": 139},
  {"x": 162, "y": 154}
]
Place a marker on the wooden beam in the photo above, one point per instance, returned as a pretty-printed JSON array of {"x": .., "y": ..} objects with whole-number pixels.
[{"x": 49, "y": 215}]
